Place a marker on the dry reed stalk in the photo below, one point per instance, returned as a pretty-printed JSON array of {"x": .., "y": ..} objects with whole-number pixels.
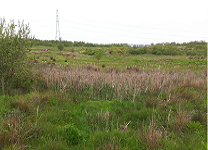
[
  {"x": 168, "y": 118},
  {"x": 77, "y": 77},
  {"x": 134, "y": 96},
  {"x": 104, "y": 117},
  {"x": 124, "y": 127},
  {"x": 37, "y": 116}
]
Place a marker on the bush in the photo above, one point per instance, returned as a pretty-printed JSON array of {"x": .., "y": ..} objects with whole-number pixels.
[
  {"x": 191, "y": 53},
  {"x": 171, "y": 50},
  {"x": 89, "y": 51},
  {"x": 134, "y": 52},
  {"x": 22, "y": 80},
  {"x": 15, "y": 42}
]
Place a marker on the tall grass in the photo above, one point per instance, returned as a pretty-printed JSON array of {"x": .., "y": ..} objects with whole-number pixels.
[{"x": 121, "y": 84}]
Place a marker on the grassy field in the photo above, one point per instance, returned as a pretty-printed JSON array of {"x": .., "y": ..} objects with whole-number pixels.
[
  {"x": 119, "y": 102},
  {"x": 144, "y": 62}
]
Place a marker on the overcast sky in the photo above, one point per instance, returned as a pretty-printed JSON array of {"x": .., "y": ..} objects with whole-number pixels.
[{"x": 113, "y": 21}]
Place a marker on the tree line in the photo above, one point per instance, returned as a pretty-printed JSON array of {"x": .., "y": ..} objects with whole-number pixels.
[
  {"x": 193, "y": 48},
  {"x": 53, "y": 43}
]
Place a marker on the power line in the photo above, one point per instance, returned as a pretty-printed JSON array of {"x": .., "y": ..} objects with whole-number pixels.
[
  {"x": 125, "y": 25},
  {"x": 112, "y": 33},
  {"x": 122, "y": 30}
]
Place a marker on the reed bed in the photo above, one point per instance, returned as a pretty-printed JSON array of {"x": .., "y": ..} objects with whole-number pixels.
[{"x": 116, "y": 83}]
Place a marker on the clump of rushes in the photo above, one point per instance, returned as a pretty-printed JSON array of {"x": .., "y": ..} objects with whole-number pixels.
[
  {"x": 181, "y": 120},
  {"x": 24, "y": 106},
  {"x": 121, "y": 82},
  {"x": 151, "y": 135}
]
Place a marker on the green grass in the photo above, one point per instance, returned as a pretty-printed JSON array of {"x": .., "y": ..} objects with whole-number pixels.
[
  {"x": 89, "y": 118},
  {"x": 145, "y": 61}
]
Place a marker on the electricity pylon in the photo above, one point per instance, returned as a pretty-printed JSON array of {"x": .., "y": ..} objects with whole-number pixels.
[{"x": 57, "y": 27}]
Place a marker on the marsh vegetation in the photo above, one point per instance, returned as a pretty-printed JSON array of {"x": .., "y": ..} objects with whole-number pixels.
[{"x": 80, "y": 98}]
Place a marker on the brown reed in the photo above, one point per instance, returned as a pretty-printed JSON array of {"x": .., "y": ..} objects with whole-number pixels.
[{"x": 128, "y": 82}]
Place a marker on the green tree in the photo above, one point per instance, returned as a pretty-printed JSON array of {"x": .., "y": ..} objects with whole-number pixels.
[
  {"x": 14, "y": 42},
  {"x": 60, "y": 46},
  {"x": 99, "y": 54}
]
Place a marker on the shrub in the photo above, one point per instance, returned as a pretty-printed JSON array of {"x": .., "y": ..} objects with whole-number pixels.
[
  {"x": 191, "y": 53},
  {"x": 138, "y": 51},
  {"x": 14, "y": 43},
  {"x": 89, "y": 51},
  {"x": 22, "y": 80},
  {"x": 134, "y": 52}
]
